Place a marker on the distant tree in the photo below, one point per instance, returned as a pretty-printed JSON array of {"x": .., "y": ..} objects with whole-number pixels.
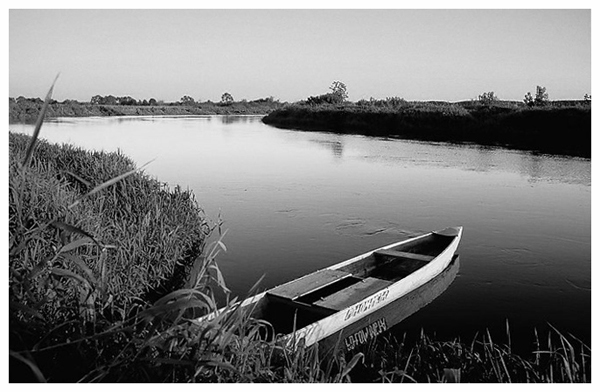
[
  {"x": 337, "y": 95},
  {"x": 587, "y": 98},
  {"x": 96, "y": 100},
  {"x": 187, "y": 100},
  {"x": 127, "y": 100},
  {"x": 339, "y": 89},
  {"x": 226, "y": 99},
  {"x": 152, "y": 102},
  {"x": 488, "y": 98},
  {"x": 541, "y": 97},
  {"x": 110, "y": 100},
  {"x": 529, "y": 101}
]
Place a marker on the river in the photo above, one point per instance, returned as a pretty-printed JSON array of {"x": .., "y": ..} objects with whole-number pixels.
[{"x": 294, "y": 201}]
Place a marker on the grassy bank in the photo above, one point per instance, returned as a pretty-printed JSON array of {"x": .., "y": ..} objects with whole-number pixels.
[
  {"x": 26, "y": 110},
  {"x": 557, "y": 128},
  {"x": 79, "y": 263}
]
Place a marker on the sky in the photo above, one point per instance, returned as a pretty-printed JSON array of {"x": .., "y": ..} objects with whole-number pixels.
[{"x": 415, "y": 54}]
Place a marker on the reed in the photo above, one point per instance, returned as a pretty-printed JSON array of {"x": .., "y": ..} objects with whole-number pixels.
[{"x": 556, "y": 360}]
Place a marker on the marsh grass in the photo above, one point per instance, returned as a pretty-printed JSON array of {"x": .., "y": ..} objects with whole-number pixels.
[{"x": 558, "y": 359}]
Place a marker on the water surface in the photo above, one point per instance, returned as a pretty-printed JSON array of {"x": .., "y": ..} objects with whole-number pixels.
[{"x": 297, "y": 201}]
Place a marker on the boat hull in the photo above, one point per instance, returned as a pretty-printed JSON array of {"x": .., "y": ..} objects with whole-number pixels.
[{"x": 329, "y": 326}]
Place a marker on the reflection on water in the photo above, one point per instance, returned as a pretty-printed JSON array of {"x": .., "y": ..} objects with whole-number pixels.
[
  {"x": 238, "y": 119},
  {"x": 393, "y": 314},
  {"x": 298, "y": 201},
  {"x": 335, "y": 146}
]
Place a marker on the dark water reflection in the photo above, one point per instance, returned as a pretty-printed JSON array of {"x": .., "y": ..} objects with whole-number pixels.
[{"x": 297, "y": 201}]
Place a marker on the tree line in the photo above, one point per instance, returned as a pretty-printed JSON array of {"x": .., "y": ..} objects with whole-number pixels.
[{"x": 338, "y": 95}]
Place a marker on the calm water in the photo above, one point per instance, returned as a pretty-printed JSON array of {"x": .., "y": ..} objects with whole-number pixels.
[{"x": 297, "y": 201}]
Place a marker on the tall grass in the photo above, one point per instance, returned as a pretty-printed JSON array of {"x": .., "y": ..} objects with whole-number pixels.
[
  {"x": 557, "y": 359},
  {"x": 91, "y": 241}
]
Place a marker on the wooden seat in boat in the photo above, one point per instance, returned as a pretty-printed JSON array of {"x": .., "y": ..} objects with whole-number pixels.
[
  {"x": 403, "y": 255},
  {"x": 308, "y": 284}
]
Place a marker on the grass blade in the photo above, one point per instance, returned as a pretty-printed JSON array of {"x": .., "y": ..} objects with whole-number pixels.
[
  {"x": 36, "y": 371},
  {"x": 38, "y": 124},
  {"x": 71, "y": 229},
  {"x": 108, "y": 183},
  {"x": 352, "y": 364},
  {"x": 68, "y": 274}
]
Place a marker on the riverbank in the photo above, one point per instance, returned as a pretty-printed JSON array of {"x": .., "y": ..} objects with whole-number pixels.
[
  {"x": 86, "y": 252},
  {"x": 26, "y": 110},
  {"x": 560, "y": 128},
  {"x": 80, "y": 263}
]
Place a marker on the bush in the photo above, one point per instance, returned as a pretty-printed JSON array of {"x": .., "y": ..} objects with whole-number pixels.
[
  {"x": 541, "y": 97},
  {"x": 488, "y": 98},
  {"x": 329, "y": 98}
]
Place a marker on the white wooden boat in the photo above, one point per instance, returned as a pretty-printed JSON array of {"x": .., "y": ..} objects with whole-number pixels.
[{"x": 336, "y": 303}]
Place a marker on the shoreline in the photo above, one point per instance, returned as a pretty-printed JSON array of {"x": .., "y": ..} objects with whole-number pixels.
[
  {"x": 556, "y": 130},
  {"x": 26, "y": 111}
]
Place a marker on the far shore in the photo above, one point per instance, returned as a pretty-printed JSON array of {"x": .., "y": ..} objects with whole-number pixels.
[
  {"x": 26, "y": 111},
  {"x": 560, "y": 127}
]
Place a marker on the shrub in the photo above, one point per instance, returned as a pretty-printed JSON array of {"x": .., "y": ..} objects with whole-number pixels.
[
  {"x": 226, "y": 99},
  {"x": 488, "y": 98},
  {"x": 339, "y": 89},
  {"x": 541, "y": 97},
  {"x": 328, "y": 98}
]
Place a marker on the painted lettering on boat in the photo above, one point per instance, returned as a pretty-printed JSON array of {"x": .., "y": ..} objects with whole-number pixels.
[
  {"x": 364, "y": 335},
  {"x": 367, "y": 304}
]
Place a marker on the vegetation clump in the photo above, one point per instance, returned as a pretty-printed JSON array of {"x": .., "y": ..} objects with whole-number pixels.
[
  {"x": 80, "y": 254},
  {"x": 537, "y": 124},
  {"x": 555, "y": 128},
  {"x": 541, "y": 97},
  {"x": 26, "y": 110},
  {"x": 556, "y": 359}
]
